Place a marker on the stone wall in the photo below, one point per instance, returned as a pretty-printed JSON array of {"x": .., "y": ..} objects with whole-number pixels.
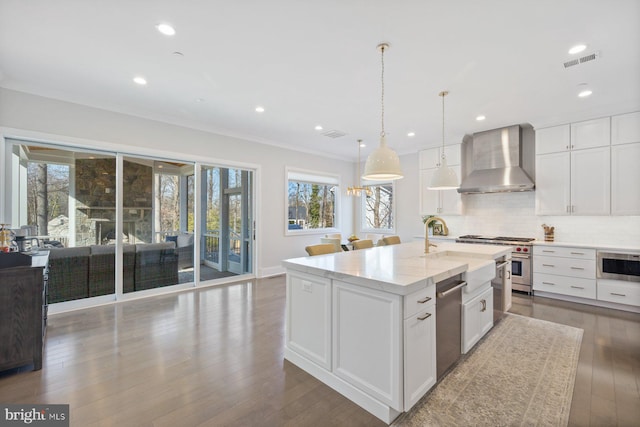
[{"x": 95, "y": 197}]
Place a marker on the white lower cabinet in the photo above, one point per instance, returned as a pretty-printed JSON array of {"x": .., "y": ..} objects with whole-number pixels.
[
  {"x": 308, "y": 317},
  {"x": 477, "y": 319},
  {"x": 419, "y": 345},
  {"x": 619, "y": 291},
  {"x": 565, "y": 271},
  {"x": 572, "y": 286},
  {"x": 367, "y": 341}
]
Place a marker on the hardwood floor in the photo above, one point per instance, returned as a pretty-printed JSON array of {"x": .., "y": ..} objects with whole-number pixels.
[
  {"x": 214, "y": 356},
  {"x": 607, "y": 385}
]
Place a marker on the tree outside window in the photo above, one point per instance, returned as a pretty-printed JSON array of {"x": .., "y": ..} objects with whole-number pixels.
[
  {"x": 311, "y": 203},
  {"x": 378, "y": 209}
]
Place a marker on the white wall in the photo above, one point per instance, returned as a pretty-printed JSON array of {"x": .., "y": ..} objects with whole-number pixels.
[{"x": 63, "y": 122}]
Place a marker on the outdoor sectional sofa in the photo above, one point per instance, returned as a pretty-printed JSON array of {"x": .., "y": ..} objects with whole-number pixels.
[{"x": 83, "y": 272}]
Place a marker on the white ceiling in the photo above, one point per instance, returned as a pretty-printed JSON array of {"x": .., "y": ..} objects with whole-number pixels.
[{"x": 312, "y": 63}]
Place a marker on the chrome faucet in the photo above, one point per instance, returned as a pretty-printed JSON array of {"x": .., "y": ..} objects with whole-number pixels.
[{"x": 426, "y": 231}]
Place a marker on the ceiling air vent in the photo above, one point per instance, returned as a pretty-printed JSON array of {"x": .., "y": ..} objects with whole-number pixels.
[
  {"x": 334, "y": 133},
  {"x": 582, "y": 60}
]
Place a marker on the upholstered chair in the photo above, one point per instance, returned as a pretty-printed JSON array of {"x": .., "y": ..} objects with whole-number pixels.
[
  {"x": 362, "y": 244},
  {"x": 321, "y": 249},
  {"x": 333, "y": 241},
  {"x": 391, "y": 240}
]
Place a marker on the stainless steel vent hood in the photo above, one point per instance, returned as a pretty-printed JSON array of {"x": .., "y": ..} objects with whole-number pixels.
[{"x": 497, "y": 163}]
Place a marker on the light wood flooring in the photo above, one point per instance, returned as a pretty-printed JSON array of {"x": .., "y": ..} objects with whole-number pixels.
[{"x": 214, "y": 357}]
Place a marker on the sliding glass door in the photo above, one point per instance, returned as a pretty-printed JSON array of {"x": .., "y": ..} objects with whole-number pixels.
[
  {"x": 227, "y": 222},
  {"x": 87, "y": 206}
]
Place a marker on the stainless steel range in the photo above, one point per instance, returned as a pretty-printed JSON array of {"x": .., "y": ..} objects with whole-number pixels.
[{"x": 521, "y": 254}]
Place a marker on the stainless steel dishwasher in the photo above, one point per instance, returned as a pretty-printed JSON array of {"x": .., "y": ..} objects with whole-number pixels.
[{"x": 448, "y": 323}]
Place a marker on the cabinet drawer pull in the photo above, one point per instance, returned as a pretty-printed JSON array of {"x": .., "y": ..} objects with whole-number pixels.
[
  {"x": 618, "y": 295},
  {"x": 577, "y": 287},
  {"x": 423, "y": 300},
  {"x": 551, "y": 252},
  {"x": 577, "y": 253},
  {"x": 548, "y": 283},
  {"x": 426, "y": 316},
  {"x": 577, "y": 268},
  {"x": 484, "y": 306},
  {"x": 548, "y": 265}
]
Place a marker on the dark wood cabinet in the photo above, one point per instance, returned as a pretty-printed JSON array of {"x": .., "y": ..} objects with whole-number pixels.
[{"x": 22, "y": 317}]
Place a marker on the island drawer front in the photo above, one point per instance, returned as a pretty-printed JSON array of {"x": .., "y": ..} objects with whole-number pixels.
[
  {"x": 584, "y": 268},
  {"x": 565, "y": 252},
  {"x": 419, "y": 300},
  {"x": 577, "y": 287},
  {"x": 619, "y": 291}
]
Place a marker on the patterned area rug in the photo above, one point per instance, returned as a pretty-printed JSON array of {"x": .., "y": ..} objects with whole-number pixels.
[{"x": 521, "y": 373}]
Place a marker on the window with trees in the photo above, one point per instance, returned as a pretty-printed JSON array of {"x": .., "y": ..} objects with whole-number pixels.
[
  {"x": 378, "y": 211},
  {"x": 311, "y": 202}
]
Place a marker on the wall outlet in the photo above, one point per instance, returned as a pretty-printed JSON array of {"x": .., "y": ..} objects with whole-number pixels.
[{"x": 307, "y": 286}]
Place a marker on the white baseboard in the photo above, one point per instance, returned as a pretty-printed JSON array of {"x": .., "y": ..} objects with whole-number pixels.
[{"x": 271, "y": 271}]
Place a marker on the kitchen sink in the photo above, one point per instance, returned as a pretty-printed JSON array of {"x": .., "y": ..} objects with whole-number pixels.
[{"x": 479, "y": 271}]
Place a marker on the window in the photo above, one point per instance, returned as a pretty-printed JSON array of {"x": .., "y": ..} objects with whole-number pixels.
[
  {"x": 378, "y": 210},
  {"x": 311, "y": 202}
]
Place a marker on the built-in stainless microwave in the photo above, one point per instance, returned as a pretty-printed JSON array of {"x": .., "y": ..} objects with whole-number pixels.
[{"x": 619, "y": 266}]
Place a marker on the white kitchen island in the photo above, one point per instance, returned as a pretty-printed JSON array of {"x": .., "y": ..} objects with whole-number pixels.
[{"x": 364, "y": 322}]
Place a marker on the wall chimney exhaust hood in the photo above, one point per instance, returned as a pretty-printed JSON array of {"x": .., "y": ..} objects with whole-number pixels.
[{"x": 497, "y": 163}]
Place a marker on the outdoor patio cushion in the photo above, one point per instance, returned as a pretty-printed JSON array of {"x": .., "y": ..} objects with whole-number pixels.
[
  {"x": 68, "y": 274},
  {"x": 156, "y": 265},
  {"x": 102, "y": 269}
]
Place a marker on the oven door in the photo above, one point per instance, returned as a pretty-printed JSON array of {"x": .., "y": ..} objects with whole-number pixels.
[{"x": 521, "y": 272}]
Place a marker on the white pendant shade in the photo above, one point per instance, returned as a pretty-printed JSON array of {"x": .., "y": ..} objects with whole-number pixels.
[
  {"x": 383, "y": 164},
  {"x": 444, "y": 178}
]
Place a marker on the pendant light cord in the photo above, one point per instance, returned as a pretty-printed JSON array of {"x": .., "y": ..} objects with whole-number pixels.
[
  {"x": 359, "y": 144},
  {"x": 382, "y": 133},
  {"x": 443, "y": 94}
]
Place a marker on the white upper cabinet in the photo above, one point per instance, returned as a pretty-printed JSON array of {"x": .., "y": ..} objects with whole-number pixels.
[
  {"x": 576, "y": 136},
  {"x": 553, "y": 140},
  {"x": 591, "y": 134},
  {"x": 441, "y": 202},
  {"x": 573, "y": 169},
  {"x": 625, "y": 179},
  {"x": 625, "y": 128},
  {"x": 590, "y": 182},
  {"x": 553, "y": 184},
  {"x": 430, "y": 158},
  {"x": 575, "y": 183}
]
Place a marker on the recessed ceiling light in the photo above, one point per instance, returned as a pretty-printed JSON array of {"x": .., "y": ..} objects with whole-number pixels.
[
  {"x": 585, "y": 93},
  {"x": 318, "y": 127},
  {"x": 480, "y": 118},
  {"x": 140, "y": 80},
  {"x": 259, "y": 109},
  {"x": 410, "y": 134},
  {"x": 577, "y": 49},
  {"x": 166, "y": 29},
  {"x": 199, "y": 99}
]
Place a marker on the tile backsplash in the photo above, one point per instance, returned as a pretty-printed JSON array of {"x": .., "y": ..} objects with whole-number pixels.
[{"x": 513, "y": 214}]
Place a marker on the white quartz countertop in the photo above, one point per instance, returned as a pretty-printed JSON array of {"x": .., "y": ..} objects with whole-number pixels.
[
  {"x": 399, "y": 269},
  {"x": 589, "y": 246}
]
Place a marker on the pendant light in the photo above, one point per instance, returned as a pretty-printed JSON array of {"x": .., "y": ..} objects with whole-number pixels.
[
  {"x": 358, "y": 189},
  {"x": 444, "y": 178},
  {"x": 383, "y": 164}
]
